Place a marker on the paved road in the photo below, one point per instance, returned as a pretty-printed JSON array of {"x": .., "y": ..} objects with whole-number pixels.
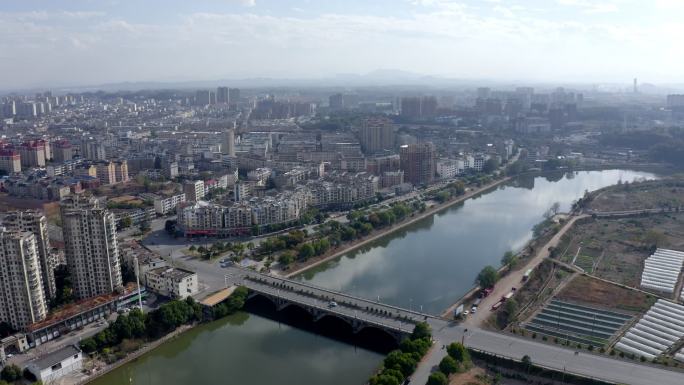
[
  {"x": 551, "y": 356},
  {"x": 514, "y": 278}
]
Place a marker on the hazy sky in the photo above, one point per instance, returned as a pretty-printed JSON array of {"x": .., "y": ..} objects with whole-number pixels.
[{"x": 78, "y": 42}]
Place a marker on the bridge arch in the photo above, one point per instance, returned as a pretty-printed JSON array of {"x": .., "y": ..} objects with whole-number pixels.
[
  {"x": 378, "y": 335},
  {"x": 334, "y": 320}
]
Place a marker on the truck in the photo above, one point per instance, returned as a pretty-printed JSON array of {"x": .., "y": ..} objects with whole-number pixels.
[
  {"x": 527, "y": 274},
  {"x": 506, "y": 296},
  {"x": 496, "y": 305},
  {"x": 486, "y": 292}
]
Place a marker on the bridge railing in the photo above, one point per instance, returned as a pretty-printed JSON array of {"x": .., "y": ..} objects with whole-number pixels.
[
  {"x": 336, "y": 293},
  {"x": 394, "y": 326}
]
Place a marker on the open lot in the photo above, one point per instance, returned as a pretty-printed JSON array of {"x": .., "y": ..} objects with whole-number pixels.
[
  {"x": 589, "y": 291},
  {"x": 615, "y": 249},
  {"x": 643, "y": 195}
]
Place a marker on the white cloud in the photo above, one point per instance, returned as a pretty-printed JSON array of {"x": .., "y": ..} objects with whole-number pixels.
[{"x": 440, "y": 37}]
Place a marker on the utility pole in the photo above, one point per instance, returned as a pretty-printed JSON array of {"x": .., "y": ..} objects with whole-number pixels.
[{"x": 137, "y": 279}]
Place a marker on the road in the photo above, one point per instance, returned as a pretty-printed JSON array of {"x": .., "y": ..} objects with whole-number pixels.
[
  {"x": 514, "y": 278},
  {"x": 556, "y": 357}
]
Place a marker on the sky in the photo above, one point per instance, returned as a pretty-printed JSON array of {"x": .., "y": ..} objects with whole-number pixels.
[{"x": 90, "y": 42}]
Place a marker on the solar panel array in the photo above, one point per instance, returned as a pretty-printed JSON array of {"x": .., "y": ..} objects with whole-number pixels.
[
  {"x": 662, "y": 269},
  {"x": 656, "y": 332}
]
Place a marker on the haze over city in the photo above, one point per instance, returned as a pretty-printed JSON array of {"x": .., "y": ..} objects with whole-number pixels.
[
  {"x": 357, "y": 192},
  {"x": 98, "y": 42}
]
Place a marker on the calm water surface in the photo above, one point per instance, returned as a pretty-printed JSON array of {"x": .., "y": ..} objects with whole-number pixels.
[
  {"x": 434, "y": 261},
  {"x": 429, "y": 264}
]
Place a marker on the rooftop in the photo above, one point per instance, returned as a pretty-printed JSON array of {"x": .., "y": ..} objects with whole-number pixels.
[{"x": 51, "y": 359}]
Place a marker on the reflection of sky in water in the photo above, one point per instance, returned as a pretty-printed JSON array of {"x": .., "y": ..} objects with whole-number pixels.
[
  {"x": 437, "y": 263},
  {"x": 257, "y": 352}
]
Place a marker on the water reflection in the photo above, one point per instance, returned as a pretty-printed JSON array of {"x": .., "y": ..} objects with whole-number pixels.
[
  {"x": 432, "y": 263},
  {"x": 249, "y": 350}
]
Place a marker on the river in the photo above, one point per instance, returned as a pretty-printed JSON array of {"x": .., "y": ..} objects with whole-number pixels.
[{"x": 428, "y": 265}]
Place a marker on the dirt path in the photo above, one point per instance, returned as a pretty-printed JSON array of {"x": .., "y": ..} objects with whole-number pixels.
[{"x": 514, "y": 278}]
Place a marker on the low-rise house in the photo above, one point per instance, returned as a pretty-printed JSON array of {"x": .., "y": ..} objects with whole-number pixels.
[
  {"x": 55, "y": 365},
  {"x": 172, "y": 282}
]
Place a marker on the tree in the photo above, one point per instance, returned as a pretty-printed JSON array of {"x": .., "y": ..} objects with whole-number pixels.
[
  {"x": 421, "y": 330},
  {"x": 487, "y": 276},
  {"x": 88, "y": 345},
  {"x": 448, "y": 365},
  {"x": 555, "y": 208},
  {"x": 527, "y": 361},
  {"x": 170, "y": 226},
  {"x": 287, "y": 258},
  {"x": 437, "y": 378},
  {"x": 490, "y": 166},
  {"x": 403, "y": 362},
  {"x": 509, "y": 259},
  {"x": 306, "y": 251},
  {"x": 126, "y": 222},
  {"x": 145, "y": 226},
  {"x": 458, "y": 352},
  {"x": 384, "y": 379},
  {"x": 10, "y": 373},
  {"x": 511, "y": 309},
  {"x": 653, "y": 238}
]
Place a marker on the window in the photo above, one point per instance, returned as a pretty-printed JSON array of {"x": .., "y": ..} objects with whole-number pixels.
[{"x": 56, "y": 367}]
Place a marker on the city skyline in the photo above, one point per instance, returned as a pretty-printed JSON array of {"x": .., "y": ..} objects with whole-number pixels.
[{"x": 79, "y": 43}]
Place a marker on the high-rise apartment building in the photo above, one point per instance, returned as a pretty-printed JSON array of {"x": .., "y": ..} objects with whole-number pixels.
[
  {"x": 10, "y": 160},
  {"x": 194, "y": 190},
  {"x": 22, "y": 300},
  {"x": 91, "y": 247},
  {"x": 32, "y": 153},
  {"x": 410, "y": 107},
  {"x": 62, "y": 151},
  {"x": 418, "y": 162},
  {"x": 376, "y": 134},
  {"x": 204, "y": 97},
  {"x": 222, "y": 95},
  {"x": 35, "y": 222},
  {"x": 234, "y": 95},
  {"x": 336, "y": 102},
  {"x": 121, "y": 171},
  {"x": 93, "y": 149},
  {"x": 106, "y": 172},
  {"x": 228, "y": 143}
]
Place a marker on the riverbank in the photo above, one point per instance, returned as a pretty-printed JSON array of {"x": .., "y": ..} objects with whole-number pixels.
[
  {"x": 381, "y": 233},
  {"x": 136, "y": 354}
]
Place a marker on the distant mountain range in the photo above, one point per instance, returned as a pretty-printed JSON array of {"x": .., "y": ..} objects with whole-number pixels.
[{"x": 377, "y": 78}]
